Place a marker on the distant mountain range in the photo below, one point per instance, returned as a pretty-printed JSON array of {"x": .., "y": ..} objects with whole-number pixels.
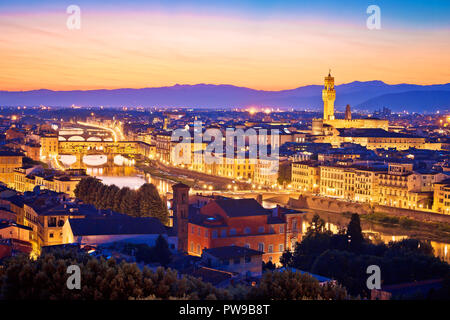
[{"x": 369, "y": 95}]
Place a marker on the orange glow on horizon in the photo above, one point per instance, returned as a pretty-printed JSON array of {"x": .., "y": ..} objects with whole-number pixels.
[{"x": 136, "y": 50}]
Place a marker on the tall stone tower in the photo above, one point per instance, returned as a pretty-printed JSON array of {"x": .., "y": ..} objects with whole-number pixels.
[
  {"x": 328, "y": 97},
  {"x": 181, "y": 213},
  {"x": 348, "y": 113}
]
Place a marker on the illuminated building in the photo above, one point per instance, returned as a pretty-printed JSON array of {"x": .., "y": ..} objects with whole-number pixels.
[
  {"x": 441, "y": 199},
  {"x": 164, "y": 147},
  {"x": 235, "y": 168},
  {"x": 266, "y": 172},
  {"x": 9, "y": 161},
  {"x": 329, "y": 119},
  {"x": 337, "y": 181},
  {"x": 328, "y": 97},
  {"x": 27, "y": 178},
  {"x": 49, "y": 147},
  {"x": 306, "y": 176},
  {"x": 399, "y": 186},
  {"x": 366, "y": 185},
  {"x": 239, "y": 222},
  {"x": 33, "y": 151}
]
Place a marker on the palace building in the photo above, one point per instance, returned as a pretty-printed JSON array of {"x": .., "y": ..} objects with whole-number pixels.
[
  {"x": 369, "y": 133},
  {"x": 329, "y": 120}
]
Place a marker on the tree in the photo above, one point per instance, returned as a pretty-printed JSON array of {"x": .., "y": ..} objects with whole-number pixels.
[
  {"x": 317, "y": 226},
  {"x": 288, "y": 285},
  {"x": 268, "y": 266},
  {"x": 151, "y": 204},
  {"x": 45, "y": 279},
  {"x": 162, "y": 251},
  {"x": 354, "y": 233},
  {"x": 284, "y": 173},
  {"x": 111, "y": 194},
  {"x": 130, "y": 203}
]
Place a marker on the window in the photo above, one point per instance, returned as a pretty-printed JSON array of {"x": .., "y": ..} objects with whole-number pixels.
[
  {"x": 261, "y": 229},
  {"x": 51, "y": 235},
  {"x": 281, "y": 229},
  {"x": 206, "y": 233},
  {"x": 193, "y": 230},
  {"x": 223, "y": 233},
  {"x": 281, "y": 247},
  {"x": 232, "y": 232},
  {"x": 52, "y": 221},
  {"x": 270, "y": 250},
  {"x": 248, "y": 259},
  {"x": 199, "y": 231},
  {"x": 198, "y": 248},
  {"x": 214, "y": 234},
  {"x": 247, "y": 230},
  {"x": 192, "y": 246},
  {"x": 261, "y": 247},
  {"x": 294, "y": 225}
]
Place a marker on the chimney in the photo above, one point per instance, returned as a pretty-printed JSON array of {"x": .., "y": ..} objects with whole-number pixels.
[
  {"x": 348, "y": 113},
  {"x": 259, "y": 198},
  {"x": 276, "y": 212}
]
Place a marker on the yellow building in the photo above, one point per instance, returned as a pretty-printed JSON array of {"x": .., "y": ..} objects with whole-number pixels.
[
  {"x": 366, "y": 185},
  {"x": 164, "y": 147},
  {"x": 23, "y": 181},
  {"x": 403, "y": 188},
  {"x": 379, "y": 139},
  {"x": 26, "y": 179},
  {"x": 234, "y": 168},
  {"x": 337, "y": 181},
  {"x": 9, "y": 161},
  {"x": 399, "y": 187},
  {"x": 306, "y": 176},
  {"x": 49, "y": 147},
  {"x": 266, "y": 172},
  {"x": 441, "y": 199}
]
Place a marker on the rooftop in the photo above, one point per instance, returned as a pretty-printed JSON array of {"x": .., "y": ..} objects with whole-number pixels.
[
  {"x": 241, "y": 207},
  {"x": 231, "y": 252},
  {"x": 116, "y": 226}
]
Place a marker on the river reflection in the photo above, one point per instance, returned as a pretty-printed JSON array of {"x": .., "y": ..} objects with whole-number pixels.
[
  {"x": 395, "y": 234},
  {"x": 128, "y": 176}
]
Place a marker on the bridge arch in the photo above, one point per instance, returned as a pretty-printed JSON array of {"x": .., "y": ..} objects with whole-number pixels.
[{"x": 76, "y": 138}]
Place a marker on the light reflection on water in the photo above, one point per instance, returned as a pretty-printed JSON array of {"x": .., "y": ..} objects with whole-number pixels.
[
  {"x": 127, "y": 177},
  {"x": 440, "y": 248}
]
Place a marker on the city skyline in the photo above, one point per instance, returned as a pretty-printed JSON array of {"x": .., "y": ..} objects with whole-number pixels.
[{"x": 252, "y": 44}]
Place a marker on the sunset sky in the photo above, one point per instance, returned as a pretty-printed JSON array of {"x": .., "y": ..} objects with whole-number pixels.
[{"x": 270, "y": 45}]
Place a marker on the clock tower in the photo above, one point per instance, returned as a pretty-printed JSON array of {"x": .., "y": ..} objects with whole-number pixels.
[{"x": 328, "y": 97}]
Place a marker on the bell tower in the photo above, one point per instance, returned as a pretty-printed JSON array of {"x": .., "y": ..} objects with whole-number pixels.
[
  {"x": 328, "y": 97},
  {"x": 181, "y": 212}
]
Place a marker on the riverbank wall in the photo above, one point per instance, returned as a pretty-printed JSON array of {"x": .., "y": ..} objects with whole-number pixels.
[{"x": 338, "y": 206}]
